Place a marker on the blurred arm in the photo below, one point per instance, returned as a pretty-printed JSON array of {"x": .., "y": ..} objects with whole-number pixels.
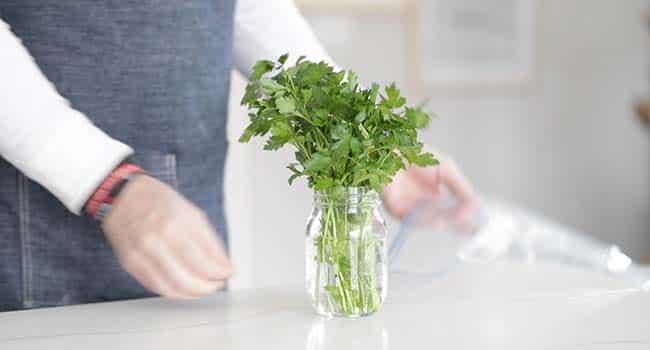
[
  {"x": 42, "y": 136},
  {"x": 266, "y": 29}
]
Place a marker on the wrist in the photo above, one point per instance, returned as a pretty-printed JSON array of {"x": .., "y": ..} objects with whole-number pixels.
[{"x": 101, "y": 201}]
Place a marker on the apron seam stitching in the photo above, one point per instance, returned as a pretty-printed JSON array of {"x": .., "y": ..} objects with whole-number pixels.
[
  {"x": 171, "y": 168},
  {"x": 23, "y": 198}
]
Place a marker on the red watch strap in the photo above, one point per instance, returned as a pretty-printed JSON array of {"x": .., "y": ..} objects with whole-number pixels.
[{"x": 98, "y": 204}]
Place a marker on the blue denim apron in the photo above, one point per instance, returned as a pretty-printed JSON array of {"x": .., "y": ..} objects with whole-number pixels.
[{"x": 154, "y": 74}]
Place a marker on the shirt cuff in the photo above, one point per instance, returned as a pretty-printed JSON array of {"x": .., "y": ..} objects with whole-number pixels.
[{"x": 74, "y": 160}]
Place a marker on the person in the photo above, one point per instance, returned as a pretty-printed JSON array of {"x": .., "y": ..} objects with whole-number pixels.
[{"x": 116, "y": 111}]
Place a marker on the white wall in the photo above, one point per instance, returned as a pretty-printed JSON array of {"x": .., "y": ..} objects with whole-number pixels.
[{"x": 567, "y": 146}]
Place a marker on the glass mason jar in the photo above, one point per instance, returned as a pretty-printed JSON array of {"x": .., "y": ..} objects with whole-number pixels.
[{"x": 346, "y": 265}]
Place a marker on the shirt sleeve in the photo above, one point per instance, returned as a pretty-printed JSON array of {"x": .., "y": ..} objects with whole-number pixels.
[
  {"x": 268, "y": 29},
  {"x": 45, "y": 138}
]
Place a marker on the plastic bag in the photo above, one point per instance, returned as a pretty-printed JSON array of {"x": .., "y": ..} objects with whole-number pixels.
[{"x": 499, "y": 234}]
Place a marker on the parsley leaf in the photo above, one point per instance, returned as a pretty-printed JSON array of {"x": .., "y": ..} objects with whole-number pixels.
[
  {"x": 260, "y": 68},
  {"x": 344, "y": 135},
  {"x": 285, "y": 105}
]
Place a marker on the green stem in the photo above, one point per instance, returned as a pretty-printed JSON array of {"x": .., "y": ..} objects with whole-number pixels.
[{"x": 350, "y": 288}]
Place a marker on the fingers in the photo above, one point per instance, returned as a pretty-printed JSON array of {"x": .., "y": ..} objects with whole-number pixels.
[
  {"x": 400, "y": 195},
  {"x": 165, "y": 242},
  {"x": 448, "y": 174},
  {"x": 194, "y": 262},
  {"x": 145, "y": 273},
  {"x": 212, "y": 248},
  {"x": 200, "y": 263},
  {"x": 179, "y": 277},
  {"x": 176, "y": 265},
  {"x": 451, "y": 176},
  {"x": 161, "y": 270},
  {"x": 467, "y": 207}
]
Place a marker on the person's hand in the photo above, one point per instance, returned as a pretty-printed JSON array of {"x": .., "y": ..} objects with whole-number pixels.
[
  {"x": 416, "y": 184},
  {"x": 164, "y": 241}
]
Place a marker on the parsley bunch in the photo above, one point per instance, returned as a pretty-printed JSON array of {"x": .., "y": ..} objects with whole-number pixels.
[{"x": 344, "y": 135}]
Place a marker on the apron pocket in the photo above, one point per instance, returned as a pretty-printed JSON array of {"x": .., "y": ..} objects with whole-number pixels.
[{"x": 160, "y": 165}]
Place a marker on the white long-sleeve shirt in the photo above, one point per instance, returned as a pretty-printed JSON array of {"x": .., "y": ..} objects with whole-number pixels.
[{"x": 58, "y": 147}]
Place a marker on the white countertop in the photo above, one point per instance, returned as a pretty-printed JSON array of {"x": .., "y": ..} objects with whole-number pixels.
[{"x": 496, "y": 306}]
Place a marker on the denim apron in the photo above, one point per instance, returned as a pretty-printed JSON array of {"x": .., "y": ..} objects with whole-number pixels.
[{"x": 154, "y": 74}]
